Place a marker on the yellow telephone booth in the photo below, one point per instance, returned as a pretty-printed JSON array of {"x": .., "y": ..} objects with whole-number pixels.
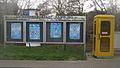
[{"x": 103, "y": 35}]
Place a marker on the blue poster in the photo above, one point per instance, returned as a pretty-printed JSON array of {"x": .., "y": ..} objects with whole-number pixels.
[
  {"x": 74, "y": 31},
  {"x": 16, "y": 31},
  {"x": 34, "y": 31},
  {"x": 55, "y": 30}
]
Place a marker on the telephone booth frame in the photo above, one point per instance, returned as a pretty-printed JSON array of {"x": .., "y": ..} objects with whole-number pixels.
[{"x": 103, "y": 35}]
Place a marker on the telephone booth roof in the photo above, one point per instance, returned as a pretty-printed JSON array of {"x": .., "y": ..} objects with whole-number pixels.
[{"x": 104, "y": 16}]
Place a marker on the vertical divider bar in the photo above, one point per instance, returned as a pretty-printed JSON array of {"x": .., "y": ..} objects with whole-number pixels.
[
  {"x": 44, "y": 31},
  {"x": 84, "y": 37},
  {"x": 5, "y": 32},
  {"x": 64, "y": 32},
  {"x": 24, "y": 31}
]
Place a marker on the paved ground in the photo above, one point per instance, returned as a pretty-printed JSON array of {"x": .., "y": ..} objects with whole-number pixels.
[{"x": 60, "y": 64}]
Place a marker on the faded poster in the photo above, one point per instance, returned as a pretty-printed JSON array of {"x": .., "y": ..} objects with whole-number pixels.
[
  {"x": 34, "y": 31},
  {"x": 16, "y": 31},
  {"x": 74, "y": 31},
  {"x": 55, "y": 30}
]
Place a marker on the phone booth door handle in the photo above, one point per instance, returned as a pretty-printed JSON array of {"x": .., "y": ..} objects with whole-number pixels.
[{"x": 99, "y": 36}]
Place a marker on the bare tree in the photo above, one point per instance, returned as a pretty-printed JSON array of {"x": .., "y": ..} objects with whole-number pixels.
[
  {"x": 44, "y": 8},
  {"x": 59, "y": 6},
  {"x": 113, "y": 7},
  {"x": 23, "y": 4},
  {"x": 8, "y": 7},
  {"x": 75, "y": 7},
  {"x": 108, "y": 6},
  {"x": 68, "y": 7}
]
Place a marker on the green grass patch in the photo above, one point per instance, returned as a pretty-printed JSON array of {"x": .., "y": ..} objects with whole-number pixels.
[{"x": 42, "y": 53}]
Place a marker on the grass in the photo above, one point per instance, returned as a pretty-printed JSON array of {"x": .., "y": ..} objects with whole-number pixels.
[{"x": 42, "y": 53}]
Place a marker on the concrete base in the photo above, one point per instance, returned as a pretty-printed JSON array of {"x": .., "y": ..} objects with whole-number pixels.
[{"x": 103, "y": 57}]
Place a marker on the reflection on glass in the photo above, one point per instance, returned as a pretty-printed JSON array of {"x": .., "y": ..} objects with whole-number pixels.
[
  {"x": 105, "y": 44},
  {"x": 105, "y": 27}
]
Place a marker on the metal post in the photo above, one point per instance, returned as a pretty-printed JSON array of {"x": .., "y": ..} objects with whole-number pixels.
[
  {"x": 44, "y": 31},
  {"x": 84, "y": 33},
  {"x": 24, "y": 31},
  {"x": 64, "y": 32}
]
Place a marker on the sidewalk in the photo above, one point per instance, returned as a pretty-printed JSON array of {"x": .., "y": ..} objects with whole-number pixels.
[{"x": 60, "y": 64}]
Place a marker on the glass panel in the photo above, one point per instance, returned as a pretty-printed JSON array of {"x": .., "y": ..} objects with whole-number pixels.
[
  {"x": 105, "y": 44},
  {"x": 95, "y": 28},
  {"x": 56, "y": 30},
  {"x": 74, "y": 31},
  {"x": 34, "y": 31},
  {"x": 94, "y": 35},
  {"x": 16, "y": 31},
  {"x": 105, "y": 27}
]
